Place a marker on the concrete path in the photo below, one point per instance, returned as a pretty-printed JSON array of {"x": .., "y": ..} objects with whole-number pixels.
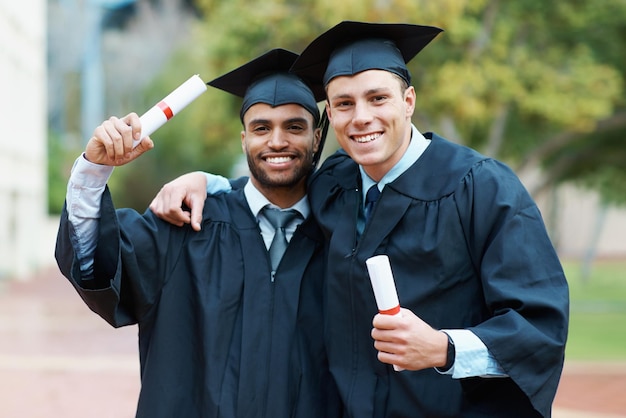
[{"x": 58, "y": 359}]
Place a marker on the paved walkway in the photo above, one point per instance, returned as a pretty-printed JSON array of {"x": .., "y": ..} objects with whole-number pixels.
[{"x": 58, "y": 359}]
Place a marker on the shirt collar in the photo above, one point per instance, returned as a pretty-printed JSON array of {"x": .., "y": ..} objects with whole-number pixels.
[
  {"x": 257, "y": 201},
  {"x": 416, "y": 148}
]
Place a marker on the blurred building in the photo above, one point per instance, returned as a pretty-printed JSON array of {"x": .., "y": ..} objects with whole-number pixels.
[
  {"x": 580, "y": 226},
  {"x": 24, "y": 224},
  {"x": 586, "y": 228}
]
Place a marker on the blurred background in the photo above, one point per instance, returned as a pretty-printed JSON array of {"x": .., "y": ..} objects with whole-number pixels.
[{"x": 539, "y": 85}]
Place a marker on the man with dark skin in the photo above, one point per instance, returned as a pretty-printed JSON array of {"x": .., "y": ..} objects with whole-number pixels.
[{"x": 226, "y": 328}]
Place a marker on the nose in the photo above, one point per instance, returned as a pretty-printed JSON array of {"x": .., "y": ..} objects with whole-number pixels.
[
  {"x": 362, "y": 114},
  {"x": 277, "y": 140}
]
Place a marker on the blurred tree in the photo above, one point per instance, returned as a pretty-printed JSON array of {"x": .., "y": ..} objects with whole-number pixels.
[
  {"x": 534, "y": 83},
  {"x": 537, "y": 84},
  {"x": 138, "y": 42}
]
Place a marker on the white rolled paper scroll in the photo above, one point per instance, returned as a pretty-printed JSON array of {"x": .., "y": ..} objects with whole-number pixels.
[
  {"x": 173, "y": 103},
  {"x": 383, "y": 284},
  {"x": 384, "y": 287}
]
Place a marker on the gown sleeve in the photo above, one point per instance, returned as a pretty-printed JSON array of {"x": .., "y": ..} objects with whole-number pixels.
[
  {"x": 129, "y": 262},
  {"x": 524, "y": 286}
]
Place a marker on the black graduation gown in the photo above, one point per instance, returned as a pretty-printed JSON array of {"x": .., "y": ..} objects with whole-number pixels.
[
  {"x": 217, "y": 337},
  {"x": 468, "y": 249}
]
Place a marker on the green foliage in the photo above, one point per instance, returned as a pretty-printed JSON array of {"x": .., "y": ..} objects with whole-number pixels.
[
  {"x": 533, "y": 83},
  {"x": 515, "y": 61},
  {"x": 61, "y": 157},
  {"x": 204, "y": 136}
]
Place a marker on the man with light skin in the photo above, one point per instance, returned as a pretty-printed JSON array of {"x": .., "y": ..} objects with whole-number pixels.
[{"x": 485, "y": 303}]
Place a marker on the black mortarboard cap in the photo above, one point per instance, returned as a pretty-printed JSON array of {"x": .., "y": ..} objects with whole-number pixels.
[
  {"x": 351, "y": 47},
  {"x": 266, "y": 79}
]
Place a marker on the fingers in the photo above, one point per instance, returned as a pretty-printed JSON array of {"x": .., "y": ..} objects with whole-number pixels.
[
  {"x": 167, "y": 206},
  {"x": 407, "y": 341},
  {"x": 132, "y": 120},
  {"x": 117, "y": 136},
  {"x": 112, "y": 141},
  {"x": 387, "y": 330},
  {"x": 176, "y": 217},
  {"x": 144, "y": 145},
  {"x": 382, "y": 321},
  {"x": 196, "y": 203},
  {"x": 188, "y": 189},
  {"x": 390, "y": 349},
  {"x": 390, "y": 358}
]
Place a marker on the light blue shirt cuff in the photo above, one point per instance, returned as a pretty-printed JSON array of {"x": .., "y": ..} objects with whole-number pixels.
[
  {"x": 84, "y": 192},
  {"x": 216, "y": 184},
  {"x": 472, "y": 358}
]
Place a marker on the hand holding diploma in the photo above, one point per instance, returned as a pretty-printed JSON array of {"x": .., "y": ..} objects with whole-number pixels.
[
  {"x": 118, "y": 141},
  {"x": 405, "y": 339},
  {"x": 112, "y": 141},
  {"x": 384, "y": 287}
]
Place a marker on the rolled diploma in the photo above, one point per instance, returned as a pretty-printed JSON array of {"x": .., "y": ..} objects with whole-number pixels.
[
  {"x": 384, "y": 287},
  {"x": 173, "y": 103}
]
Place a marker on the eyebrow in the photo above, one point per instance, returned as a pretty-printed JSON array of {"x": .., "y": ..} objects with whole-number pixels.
[
  {"x": 257, "y": 122},
  {"x": 369, "y": 92},
  {"x": 297, "y": 119},
  {"x": 377, "y": 90}
]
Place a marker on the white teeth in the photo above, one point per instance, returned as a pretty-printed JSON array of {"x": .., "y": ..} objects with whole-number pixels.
[
  {"x": 366, "y": 138},
  {"x": 278, "y": 160}
]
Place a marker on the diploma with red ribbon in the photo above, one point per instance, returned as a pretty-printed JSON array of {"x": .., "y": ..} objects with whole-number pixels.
[
  {"x": 173, "y": 103},
  {"x": 384, "y": 287}
]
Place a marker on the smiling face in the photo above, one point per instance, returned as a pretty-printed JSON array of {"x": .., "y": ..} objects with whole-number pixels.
[
  {"x": 371, "y": 115},
  {"x": 279, "y": 143}
]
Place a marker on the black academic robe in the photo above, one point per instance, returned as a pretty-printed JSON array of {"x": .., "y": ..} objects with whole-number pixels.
[
  {"x": 217, "y": 336},
  {"x": 468, "y": 249}
]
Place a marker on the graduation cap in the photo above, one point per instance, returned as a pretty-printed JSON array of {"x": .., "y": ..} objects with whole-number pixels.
[
  {"x": 266, "y": 79},
  {"x": 351, "y": 47}
]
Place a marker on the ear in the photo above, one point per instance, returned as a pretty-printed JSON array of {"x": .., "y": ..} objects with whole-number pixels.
[
  {"x": 409, "y": 99},
  {"x": 243, "y": 141},
  {"x": 328, "y": 112},
  {"x": 317, "y": 137}
]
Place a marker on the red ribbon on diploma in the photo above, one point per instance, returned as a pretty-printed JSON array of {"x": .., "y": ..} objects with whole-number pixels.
[
  {"x": 166, "y": 110},
  {"x": 391, "y": 311}
]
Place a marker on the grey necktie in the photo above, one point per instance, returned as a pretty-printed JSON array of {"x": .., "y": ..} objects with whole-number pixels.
[
  {"x": 370, "y": 201},
  {"x": 279, "y": 220}
]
